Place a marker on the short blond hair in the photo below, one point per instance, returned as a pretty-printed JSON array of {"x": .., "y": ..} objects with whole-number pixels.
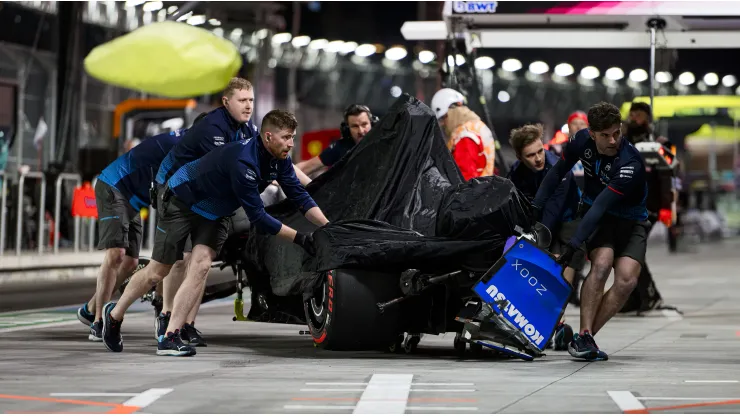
[{"x": 236, "y": 84}]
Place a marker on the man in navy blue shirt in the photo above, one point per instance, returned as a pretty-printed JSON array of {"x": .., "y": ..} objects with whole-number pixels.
[
  {"x": 358, "y": 120},
  {"x": 197, "y": 201},
  {"x": 229, "y": 123},
  {"x": 121, "y": 191},
  {"x": 527, "y": 173},
  {"x": 614, "y": 225}
]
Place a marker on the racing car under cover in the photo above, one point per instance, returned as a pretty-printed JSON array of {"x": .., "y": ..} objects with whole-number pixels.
[{"x": 407, "y": 241}]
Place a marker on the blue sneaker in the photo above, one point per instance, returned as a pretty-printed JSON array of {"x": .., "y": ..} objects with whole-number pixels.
[
  {"x": 160, "y": 324},
  {"x": 582, "y": 346},
  {"x": 563, "y": 337},
  {"x": 111, "y": 329},
  {"x": 85, "y": 316},
  {"x": 600, "y": 355},
  {"x": 96, "y": 332},
  {"x": 172, "y": 345}
]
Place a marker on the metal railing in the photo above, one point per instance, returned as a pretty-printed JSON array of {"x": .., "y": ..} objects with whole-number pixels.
[
  {"x": 3, "y": 210},
  {"x": 42, "y": 210},
  {"x": 58, "y": 208}
]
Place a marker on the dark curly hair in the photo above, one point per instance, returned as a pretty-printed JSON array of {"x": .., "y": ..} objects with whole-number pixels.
[{"x": 603, "y": 115}]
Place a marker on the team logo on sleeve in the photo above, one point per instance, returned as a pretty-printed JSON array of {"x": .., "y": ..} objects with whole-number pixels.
[
  {"x": 626, "y": 172},
  {"x": 218, "y": 141},
  {"x": 250, "y": 175}
]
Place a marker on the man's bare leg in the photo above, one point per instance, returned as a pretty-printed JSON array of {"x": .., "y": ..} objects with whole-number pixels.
[
  {"x": 592, "y": 291},
  {"x": 194, "y": 312},
  {"x": 141, "y": 283},
  {"x": 626, "y": 272},
  {"x": 172, "y": 283},
  {"x": 107, "y": 277},
  {"x": 198, "y": 267}
]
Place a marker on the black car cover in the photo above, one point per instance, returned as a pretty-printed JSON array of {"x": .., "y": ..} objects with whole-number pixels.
[{"x": 396, "y": 201}]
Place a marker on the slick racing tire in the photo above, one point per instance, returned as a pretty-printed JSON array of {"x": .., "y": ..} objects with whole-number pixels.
[{"x": 343, "y": 312}]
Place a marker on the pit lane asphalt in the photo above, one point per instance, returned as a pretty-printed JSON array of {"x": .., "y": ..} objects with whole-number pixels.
[{"x": 663, "y": 362}]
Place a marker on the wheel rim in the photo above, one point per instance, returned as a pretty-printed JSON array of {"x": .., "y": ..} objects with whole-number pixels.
[{"x": 316, "y": 308}]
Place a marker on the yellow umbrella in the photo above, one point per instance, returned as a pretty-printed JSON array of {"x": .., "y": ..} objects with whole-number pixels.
[{"x": 168, "y": 59}]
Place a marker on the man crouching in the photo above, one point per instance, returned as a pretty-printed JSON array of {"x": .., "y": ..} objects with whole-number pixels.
[{"x": 197, "y": 201}]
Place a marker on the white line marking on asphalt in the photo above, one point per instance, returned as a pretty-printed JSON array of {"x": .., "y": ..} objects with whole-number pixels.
[
  {"x": 440, "y": 408},
  {"x": 385, "y": 394},
  {"x": 332, "y": 389},
  {"x": 423, "y": 390},
  {"x": 73, "y": 319},
  {"x": 690, "y": 399},
  {"x": 625, "y": 400},
  {"x": 346, "y": 407},
  {"x": 671, "y": 315},
  {"x": 316, "y": 407},
  {"x": 146, "y": 398},
  {"x": 710, "y": 381},
  {"x": 363, "y": 384},
  {"x": 93, "y": 394}
]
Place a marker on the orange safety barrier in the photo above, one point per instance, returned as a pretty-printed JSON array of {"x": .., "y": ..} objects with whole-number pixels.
[{"x": 83, "y": 202}]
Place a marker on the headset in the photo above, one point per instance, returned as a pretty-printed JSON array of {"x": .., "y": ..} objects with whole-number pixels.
[{"x": 356, "y": 108}]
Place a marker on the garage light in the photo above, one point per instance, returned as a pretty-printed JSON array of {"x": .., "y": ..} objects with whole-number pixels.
[
  {"x": 590, "y": 72},
  {"x": 214, "y": 22},
  {"x": 687, "y": 78},
  {"x": 663, "y": 77},
  {"x": 729, "y": 80},
  {"x": 459, "y": 60},
  {"x": 318, "y": 44},
  {"x": 504, "y": 96},
  {"x": 564, "y": 70},
  {"x": 334, "y": 46},
  {"x": 152, "y": 6},
  {"x": 348, "y": 47},
  {"x": 484, "y": 62},
  {"x": 614, "y": 74},
  {"x": 426, "y": 56},
  {"x": 638, "y": 75},
  {"x": 711, "y": 79},
  {"x": 366, "y": 49},
  {"x": 538, "y": 67},
  {"x": 301, "y": 41},
  {"x": 280, "y": 38},
  {"x": 511, "y": 65},
  {"x": 396, "y": 53},
  {"x": 396, "y": 91}
]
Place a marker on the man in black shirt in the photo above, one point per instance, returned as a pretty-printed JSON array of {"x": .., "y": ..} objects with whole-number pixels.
[{"x": 358, "y": 120}]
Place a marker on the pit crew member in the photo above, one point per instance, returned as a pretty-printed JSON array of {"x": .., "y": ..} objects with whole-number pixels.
[
  {"x": 527, "y": 174},
  {"x": 614, "y": 219},
  {"x": 197, "y": 201},
  {"x": 121, "y": 191},
  {"x": 358, "y": 120}
]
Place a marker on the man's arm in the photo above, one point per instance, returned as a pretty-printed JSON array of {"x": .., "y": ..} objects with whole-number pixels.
[
  {"x": 298, "y": 195},
  {"x": 310, "y": 166},
  {"x": 558, "y": 172},
  {"x": 302, "y": 177},
  {"x": 553, "y": 211},
  {"x": 244, "y": 186},
  {"x": 625, "y": 181}
]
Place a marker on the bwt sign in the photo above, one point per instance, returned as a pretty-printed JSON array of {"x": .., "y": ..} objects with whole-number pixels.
[{"x": 474, "y": 6}]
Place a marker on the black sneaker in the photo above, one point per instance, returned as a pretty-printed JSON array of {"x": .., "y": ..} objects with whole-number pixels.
[
  {"x": 563, "y": 337},
  {"x": 171, "y": 344},
  {"x": 96, "y": 332},
  {"x": 158, "y": 304},
  {"x": 600, "y": 355},
  {"x": 582, "y": 347},
  {"x": 85, "y": 316},
  {"x": 111, "y": 329},
  {"x": 192, "y": 336},
  {"x": 160, "y": 324}
]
